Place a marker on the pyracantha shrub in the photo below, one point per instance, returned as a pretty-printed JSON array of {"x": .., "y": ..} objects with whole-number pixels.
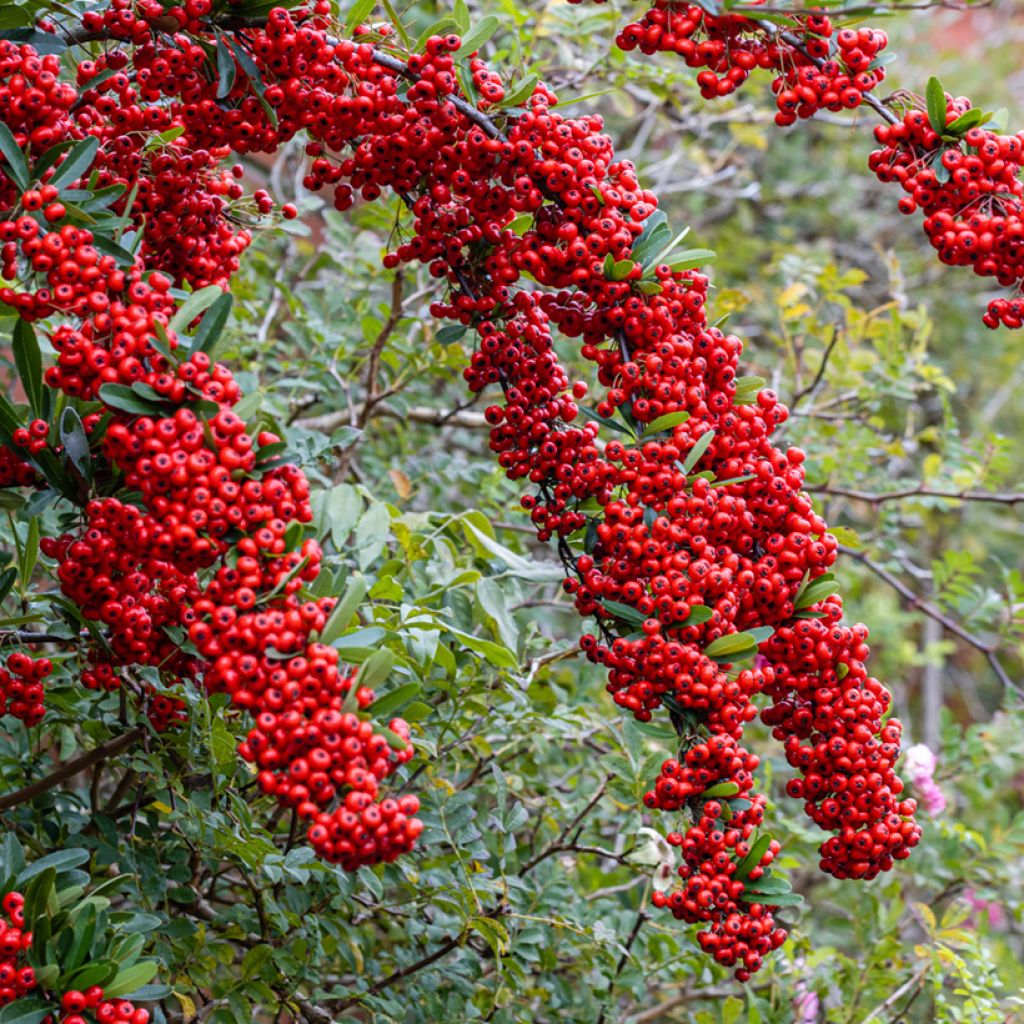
[{"x": 683, "y": 529}]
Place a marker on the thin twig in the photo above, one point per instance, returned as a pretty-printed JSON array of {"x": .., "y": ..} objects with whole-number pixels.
[
  {"x": 916, "y": 979},
  {"x": 918, "y": 603},
  {"x": 559, "y": 844},
  {"x": 71, "y": 768},
  {"x": 920, "y": 491}
]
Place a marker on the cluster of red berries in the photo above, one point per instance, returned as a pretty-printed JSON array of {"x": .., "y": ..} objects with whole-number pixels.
[
  {"x": 103, "y": 1011},
  {"x": 16, "y": 978},
  {"x": 14, "y": 470},
  {"x": 815, "y": 66},
  {"x": 829, "y": 712},
  {"x": 969, "y": 191},
  {"x": 686, "y": 535},
  {"x": 21, "y": 687},
  {"x": 967, "y": 185}
]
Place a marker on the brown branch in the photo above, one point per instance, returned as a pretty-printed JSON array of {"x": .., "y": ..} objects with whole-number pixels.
[
  {"x": 804, "y": 392},
  {"x": 920, "y": 491},
  {"x": 373, "y": 393},
  {"x": 419, "y": 414},
  {"x": 71, "y": 768},
  {"x": 918, "y": 603},
  {"x": 558, "y": 844}
]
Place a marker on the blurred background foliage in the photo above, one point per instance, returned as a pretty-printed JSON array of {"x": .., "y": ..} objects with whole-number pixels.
[{"x": 522, "y": 902}]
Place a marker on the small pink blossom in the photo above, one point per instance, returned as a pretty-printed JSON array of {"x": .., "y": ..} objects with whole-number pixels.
[{"x": 920, "y": 764}]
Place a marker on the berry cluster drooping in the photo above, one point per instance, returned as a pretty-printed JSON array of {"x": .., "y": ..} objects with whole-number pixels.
[
  {"x": 16, "y": 977},
  {"x": 687, "y": 537},
  {"x": 815, "y": 67},
  {"x": 966, "y": 183},
  {"x": 960, "y": 171}
]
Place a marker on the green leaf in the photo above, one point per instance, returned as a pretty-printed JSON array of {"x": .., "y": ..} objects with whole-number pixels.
[
  {"x": 29, "y": 363},
  {"x": 967, "y": 120},
  {"x": 625, "y": 612},
  {"x": 478, "y": 35},
  {"x": 29, "y": 551},
  {"x": 131, "y": 978},
  {"x": 212, "y": 325},
  {"x": 816, "y": 590},
  {"x": 120, "y": 397},
  {"x": 226, "y": 69},
  {"x": 593, "y": 414},
  {"x": 747, "y": 389},
  {"x": 15, "y": 158},
  {"x": 782, "y": 899},
  {"x": 198, "y": 302},
  {"x": 769, "y": 885},
  {"x": 935, "y": 97},
  {"x": 621, "y": 269},
  {"x": 753, "y": 857},
  {"x": 382, "y": 707},
  {"x": 446, "y": 26},
  {"x": 110, "y": 248},
  {"x": 690, "y": 259},
  {"x": 520, "y": 94},
  {"x": 25, "y": 1011},
  {"x": 76, "y": 163},
  {"x": 375, "y": 669},
  {"x": 75, "y": 441},
  {"x": 395, "y": 742},
  {"x": 698, "y": 450},
  {"x": 720, "y": 789},
  {"x": 731, "y": 647},
  {"x": 357, "y": 13},
  {"x": 664, "y": 423},
  {"x": 341, "y": 614},
  {"x": 699, "y": 614},
  {"x": 734, "y": 480},
  {"x": 61, "y": 860},
  {"x": 7, "y": 578}
]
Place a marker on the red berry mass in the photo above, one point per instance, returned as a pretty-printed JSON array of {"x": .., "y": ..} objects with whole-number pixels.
[{"x": 687, "y": 526}]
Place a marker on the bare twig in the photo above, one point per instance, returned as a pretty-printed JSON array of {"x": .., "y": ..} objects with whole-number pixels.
[
  {"x": 918, "y": 603},
  {"x": 920, "y": 491},
  {"x": 559, "y": 843},
  {"x": 915, "y": 981},
  {"x": 71, "y": 768}
]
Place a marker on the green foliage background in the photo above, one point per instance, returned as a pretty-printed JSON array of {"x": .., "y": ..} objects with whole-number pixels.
[{"x": 521, "y": 903}]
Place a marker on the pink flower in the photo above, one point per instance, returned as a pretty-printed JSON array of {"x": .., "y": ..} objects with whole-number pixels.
[
  {"x": 920, "y": 764},
  {"x": 805, "y": 1002}
]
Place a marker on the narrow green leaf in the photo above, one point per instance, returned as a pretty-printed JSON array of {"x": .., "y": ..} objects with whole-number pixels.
[
  {"x": 625, "y": 612},
  {"x": 935, "y": 98},
  {"x": 117, "y": 396},
  {"x": 341, "y": 614},
  {"x": 198, "y": 302},
  {"x": 211, "y": 327},
  {"x": 131, "y": 978},
  {"x": 698, "y": 450},
  {"x": 226, "y": 70},
  {"x": 14, "y": 157},
  {"x": 665, "y": 423},
  {"x": 382, "y": 707},
  {"x": 76, "y": 163},
  {"x": 29, "y": 362},
  {"x": 699, "y": 614},
  {"x": 520, "y": 94},
  {"x": 375, "y": 670},
  {"x": 478, "y": 35},
  {"x": 720, "y": 789},
  {"x": 753, "y": 857},
  {"x": 357, "y": 14},
  {"x": 76, "y": 442}
]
